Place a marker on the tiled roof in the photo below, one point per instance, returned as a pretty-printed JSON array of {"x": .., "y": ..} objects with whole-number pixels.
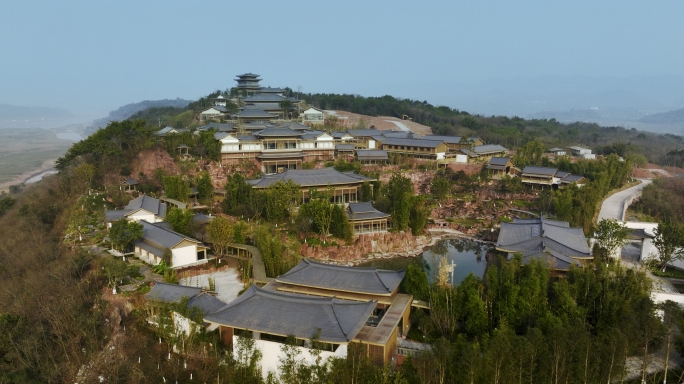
[
  {"x": 345, "y": 147},
  {"x": 162, "y": 237},
  {"x": 338, "y": 321},
  {"x": 364, "y": 211},
  {"x": 309, "y": 177},
  {"x": 271, "y": 90},
  {"x": 116, "y": 214},
  {"x": 149, "y": 204},
  {"x": 499, "y": 161},
  {"x": 543, "y": 171},
  {"x": 222, "y": 127},
  {"x": 171, "y": 293},
  {"x": 413, "y": 142},
  {"x": 264, "y": 98},
  {"x": 219, "y": 108},
  {"x": 371, "y": 281},
  {"x": 364, "y": 132},
  {"x": 571, "y": 178},
  {"x": 489, "y": 148},
  {"x": 130, "y": 182},
  {"x": 371, "y": 154},
  {"x": 339, "y": 135},
  {"x": 527, "y": 236},
  {"x": 403, "y": 135},
  {"x": 279, "y": 132},
  {"x": 449, "y": 139},
  {"x": 255, "y": 113}
]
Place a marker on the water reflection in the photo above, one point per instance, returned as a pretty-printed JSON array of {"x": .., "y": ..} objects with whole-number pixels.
[{"x": 468, "y": 256}]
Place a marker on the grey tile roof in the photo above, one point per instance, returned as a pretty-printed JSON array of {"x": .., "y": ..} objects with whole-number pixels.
[
  {"x": 371, "y": 281},
  {"x": 201, "y": 218},
  {"x": 339, "y": 135},
  {"x": 339, "y": 321},
  {"x": 555, "y": 149},
  {"x": 489, "y": 148},
  {"x": 222, "y": 127},
  {"x": 501, "y": 161},
  {"x": 264, "y": 98},
  {"x": 162, "y": 237},
  {"x": 286, "y": 155},
  {"x": 449, "y": 139},
  {"x": 531, "y": 235},
  {"x": 364, "y": 132},
  {"x": 149, "y": 204},
  {"x": 309, "y": 178},
  {"x": 345, "y": 147},
  {"x": 561, "y": 174},
  {"x": 220, "y": 135},
  {"x": 413, "y": 142},
  {"x": 116, "y": 215},
  {"x": 364, "y": 211},
  {"x": 403, "y": 135},
  {"x": 271, "y": 90},
  {"x": 219, "y": 108},
  {"x": 255, "y": 113},
  {"x": 541, "y": 171},
  {"x": 171, "y": 293},
  {"x": 312, "y": 135},
  {"x": 151, "y": 248},
  {"x": 130, "y": 182},
  {"x": 247, "y": 138},
  {"x": 279, "y": 132},
  {"x": 371, "y": 154},
  {"x": 571, "y": 179},
  {"x": 576, "y": 148}
]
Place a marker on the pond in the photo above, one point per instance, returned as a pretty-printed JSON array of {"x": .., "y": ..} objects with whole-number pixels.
[{"x": 467, "y": 255}]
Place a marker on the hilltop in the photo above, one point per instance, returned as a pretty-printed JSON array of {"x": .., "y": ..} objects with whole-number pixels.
[{"x": 676, "y": 116}]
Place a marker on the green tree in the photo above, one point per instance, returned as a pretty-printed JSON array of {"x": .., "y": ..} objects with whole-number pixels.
[
  {"x": 5, "y": 204},
  {"x": 611, "y": 236},
  {"x": 220, "y": 234},
  {"x": 669, "y": 241},
  {"x": 440, "y": 187},
  {"x": 319, "y": 211},
  {"x": 415, "y": 281},
  {"x": 176, "y": 188},
  {"x": 124, "y": 232},
  {"x": 181, "y": 221},
  {"x": 400, "y": 196},
  {"x": 419, "y": 213},
  {"x": 340, "y": 226},
  {"x": 205, "y": 188}
]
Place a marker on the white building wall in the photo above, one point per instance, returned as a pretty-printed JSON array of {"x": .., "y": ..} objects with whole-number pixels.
[
  {"x": 371, "y": 144},
  {"x": 440, "y": 155},
  {"x": 271, "y": 355},
  {"x": 462, "y": 159},
  {"x": 183, "y": 255},
  {"x": 144, "y": 215}
]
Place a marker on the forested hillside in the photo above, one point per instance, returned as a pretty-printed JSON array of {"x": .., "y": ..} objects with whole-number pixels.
[{"x": 511, "y": 132}]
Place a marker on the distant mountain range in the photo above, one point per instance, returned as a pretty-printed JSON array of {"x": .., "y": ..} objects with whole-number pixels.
[
  {"x": 665, "y": 117},
  {"x": 128, "y": 110},
  {"x": 11, "y": 112}
]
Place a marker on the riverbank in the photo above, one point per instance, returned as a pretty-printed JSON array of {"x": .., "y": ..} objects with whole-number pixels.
[{"x": 26, "y": 176}]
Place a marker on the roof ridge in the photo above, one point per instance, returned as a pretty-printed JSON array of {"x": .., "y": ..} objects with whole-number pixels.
[{"x": 332, "y": 304}]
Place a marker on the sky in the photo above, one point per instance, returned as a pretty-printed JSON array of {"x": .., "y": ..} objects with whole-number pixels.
[{"x": 91, "y": 57}]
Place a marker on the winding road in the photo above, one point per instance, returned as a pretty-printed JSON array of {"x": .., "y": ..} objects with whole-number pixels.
[{"x": 614, "y": 206}]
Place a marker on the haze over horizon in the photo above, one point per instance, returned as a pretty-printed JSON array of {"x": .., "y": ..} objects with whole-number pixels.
[{"x": 90, "y": 58}]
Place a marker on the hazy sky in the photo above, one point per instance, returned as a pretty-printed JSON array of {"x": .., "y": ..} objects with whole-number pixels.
[{"x": 92, "y": 56}]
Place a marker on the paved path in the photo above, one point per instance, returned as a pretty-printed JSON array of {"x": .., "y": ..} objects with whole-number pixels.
[
  {"x": 258, "y": 267},
  {"x": 614, "y": 206}
]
